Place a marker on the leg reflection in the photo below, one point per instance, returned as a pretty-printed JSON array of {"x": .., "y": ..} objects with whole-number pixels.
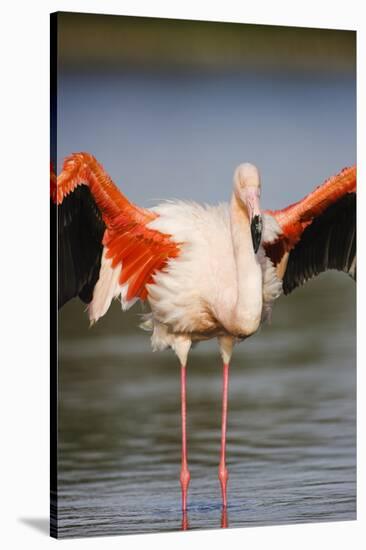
[
  {"x": 185, "y": 524},
  {"x": 224, "y": 518}
]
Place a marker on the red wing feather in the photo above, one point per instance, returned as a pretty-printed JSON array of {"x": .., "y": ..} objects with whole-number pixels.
[
  {"x": 128, "y": 241},
  {"x": 318, "y": 233},
  {"x": 295, "y": 218}
]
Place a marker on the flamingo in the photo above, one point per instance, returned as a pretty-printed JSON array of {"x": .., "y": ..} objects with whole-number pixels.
[{"x": 205, "y": 271}]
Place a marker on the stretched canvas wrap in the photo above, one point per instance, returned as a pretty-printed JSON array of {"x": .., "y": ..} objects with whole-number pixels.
[{"x": 203, "y": 246}]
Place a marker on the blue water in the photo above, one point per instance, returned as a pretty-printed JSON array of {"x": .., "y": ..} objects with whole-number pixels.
[
  {"x": 291, "y": 427},
  {"x": 181, "y": 135}
]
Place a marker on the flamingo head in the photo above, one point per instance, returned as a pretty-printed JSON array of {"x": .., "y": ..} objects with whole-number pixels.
[{"x": 247, "y": 189}]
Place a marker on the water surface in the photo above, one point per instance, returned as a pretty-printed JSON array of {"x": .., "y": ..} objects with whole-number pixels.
[
  {"x": 180, "y": 135},
  {"x": 291, "y": 432}
]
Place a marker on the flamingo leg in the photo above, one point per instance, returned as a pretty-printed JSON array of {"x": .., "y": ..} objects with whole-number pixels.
[
  {"x": 223, "y": 473},
  {"x": 185, "y": 476},
  {"x": 224, "y": 518}
]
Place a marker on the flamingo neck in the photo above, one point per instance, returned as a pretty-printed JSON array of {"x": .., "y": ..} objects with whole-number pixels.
[{"x": 248, "y": 306}]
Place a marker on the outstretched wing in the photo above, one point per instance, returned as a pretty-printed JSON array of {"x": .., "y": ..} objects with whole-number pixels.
[
  {"x": 106, "y": 248},
  {"x": 317, "y": 233}
]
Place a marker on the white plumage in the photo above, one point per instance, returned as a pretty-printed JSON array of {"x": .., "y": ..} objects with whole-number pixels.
[{"x": 216, "y": 287}]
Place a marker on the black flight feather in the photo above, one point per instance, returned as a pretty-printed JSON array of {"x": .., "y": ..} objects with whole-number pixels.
[
  {"x": 329, "y": 242},
  {"x": 80, "y": 233}
]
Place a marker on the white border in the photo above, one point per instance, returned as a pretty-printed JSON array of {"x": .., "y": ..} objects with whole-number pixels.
[{"x": 25, "y": 265}]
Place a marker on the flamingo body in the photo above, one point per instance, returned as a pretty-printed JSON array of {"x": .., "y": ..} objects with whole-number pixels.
[
  {"x": 205, "y": 271},
  {"x": 199, "y": 286},
  {"x": 197, "y": 294}
]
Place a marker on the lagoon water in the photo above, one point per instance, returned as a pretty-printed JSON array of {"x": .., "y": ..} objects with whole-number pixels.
[
  {"x": 292, "y": 400},
  {"x": 181, "y": 135},
  {"x": 291, "y": 433}
]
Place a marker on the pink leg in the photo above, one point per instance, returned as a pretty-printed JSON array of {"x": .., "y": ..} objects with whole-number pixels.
[
  {"x": 223, "y": 473},
  {"x": 185, "y": 524},
  {"x": 224, "y": 518},
  {"x": 185, "y": 476}
]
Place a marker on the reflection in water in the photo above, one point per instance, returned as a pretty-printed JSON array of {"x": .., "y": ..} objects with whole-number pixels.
[
  {"x": 185, "y": 524},
  {"x": 291, "y": 421},
  {"x": 224, "y": 518}
]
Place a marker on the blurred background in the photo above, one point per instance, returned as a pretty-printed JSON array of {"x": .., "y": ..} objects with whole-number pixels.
[{"x": 170, "y": 108}]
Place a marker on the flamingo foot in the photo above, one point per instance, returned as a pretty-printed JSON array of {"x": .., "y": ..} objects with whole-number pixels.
[
  {"x": 185, "y": 477},
  {"x": 224, "y": 519},
  {"x": 223, "y": 477},
  {"x": 185, "y": 524}
]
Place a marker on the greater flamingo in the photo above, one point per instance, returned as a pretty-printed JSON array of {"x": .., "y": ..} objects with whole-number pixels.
[{"x": 206, "y": 271}]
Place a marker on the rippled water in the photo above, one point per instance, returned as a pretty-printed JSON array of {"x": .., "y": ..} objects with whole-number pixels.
[{"x": 291, "y": 432}]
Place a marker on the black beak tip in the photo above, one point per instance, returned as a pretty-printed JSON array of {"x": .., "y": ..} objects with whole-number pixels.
[{"x": 256, "y": 230}]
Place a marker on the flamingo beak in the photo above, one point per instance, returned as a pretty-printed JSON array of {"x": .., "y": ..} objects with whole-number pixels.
[
  {"x": 255, "y": 216},
  {"x": 256, "y": 231}
]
